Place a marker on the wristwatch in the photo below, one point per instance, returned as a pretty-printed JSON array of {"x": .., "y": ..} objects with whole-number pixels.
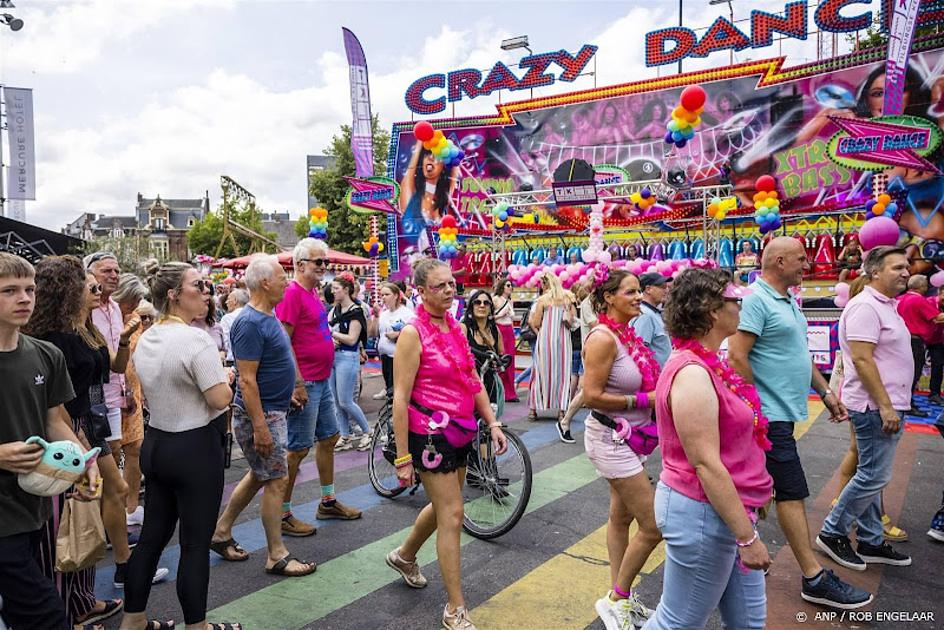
[{"x": 826, "y": 392}]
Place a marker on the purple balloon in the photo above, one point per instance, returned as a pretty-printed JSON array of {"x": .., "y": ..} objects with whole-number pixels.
[
  {"x": 668, "y": 137},
  {"x": 645, "y": 193},
  {"x": 681, "y": 143}
]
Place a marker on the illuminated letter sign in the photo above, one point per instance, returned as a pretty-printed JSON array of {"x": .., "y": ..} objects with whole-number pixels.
[
  {"x": 878, "y": 143},
  {"x": 469, "y": 83}
]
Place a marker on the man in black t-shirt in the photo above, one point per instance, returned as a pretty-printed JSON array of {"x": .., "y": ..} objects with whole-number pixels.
[{"x": 35, "y": 386}]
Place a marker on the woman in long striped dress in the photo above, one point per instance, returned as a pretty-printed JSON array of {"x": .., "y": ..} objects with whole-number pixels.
[{"x": 551, "y": 318}]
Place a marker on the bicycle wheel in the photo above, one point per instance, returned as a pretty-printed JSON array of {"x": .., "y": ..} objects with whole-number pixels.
[
  {"x": 497, "y": 489},
  {"x": 380, "y": 456}
]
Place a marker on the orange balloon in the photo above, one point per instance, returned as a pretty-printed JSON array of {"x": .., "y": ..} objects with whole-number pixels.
[{"x": 884, "y": 199}]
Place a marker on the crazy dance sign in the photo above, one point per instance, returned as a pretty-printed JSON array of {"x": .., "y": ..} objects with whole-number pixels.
[
  {"x": 876, "y": 144},
  {"x": 469, "y": 83}
]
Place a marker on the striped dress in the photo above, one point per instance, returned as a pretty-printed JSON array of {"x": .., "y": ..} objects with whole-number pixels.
[{"x": 550, "y": 386}]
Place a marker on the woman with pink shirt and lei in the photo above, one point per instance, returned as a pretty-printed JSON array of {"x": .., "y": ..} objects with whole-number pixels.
[
  {"x": 713, "y": 436},
  {"x": 436, "y": 393},
  {"x": 619, "y": 386}
]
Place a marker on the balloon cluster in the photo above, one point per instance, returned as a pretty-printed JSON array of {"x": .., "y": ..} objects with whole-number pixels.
[
  {"x": 686, "y": 117},
  {"x": 448, "y": 245},
  {"x": 442, "y": 148},
  {"x": 570, "y": 274},
  {"x": 373, "y": 247},
  {"x": 719, "y": 207},
  {"x": 501, "y": 216},
  {"x": 767, "y": 204},
  {"x": 643, "y": 199},
  {"x": 880, "y": 206},
  {"x": 318, "y": 223}
]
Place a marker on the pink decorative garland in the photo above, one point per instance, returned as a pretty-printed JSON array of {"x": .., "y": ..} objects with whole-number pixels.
[
  {"x": 642, "y": 356},
  {"x": 741, "y": 388},
  {"x": 453, "y": 345}
]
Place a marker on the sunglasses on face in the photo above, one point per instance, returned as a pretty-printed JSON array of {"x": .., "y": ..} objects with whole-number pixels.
[
  {"x": 146, "y": 318},
  {"x": 481, "y": 303},
  {"x": 318, "y": 262},
  {"x": 735, "y": 300},
  {"x": 95, "y": 289}
]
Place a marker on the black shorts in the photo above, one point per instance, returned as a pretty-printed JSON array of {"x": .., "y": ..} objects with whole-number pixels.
[
  {"x": 452, "y": 457},
  {"x": 783, "y": 463}
]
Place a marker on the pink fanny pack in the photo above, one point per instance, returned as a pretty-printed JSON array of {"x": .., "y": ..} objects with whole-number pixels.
[
  {"x": 458, "y": 431},
  {"x": 641, "y": 439}
]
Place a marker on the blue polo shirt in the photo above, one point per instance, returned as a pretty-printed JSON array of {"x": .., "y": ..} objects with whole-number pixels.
[
  {"x": 651, "y": 329},
  {"x": 780, "y": 358},
  {"x": 259, "y": 337}
]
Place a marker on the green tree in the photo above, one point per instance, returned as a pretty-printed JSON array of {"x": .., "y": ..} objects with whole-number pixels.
[
  {"x": 204, "y": 236},
  {"x": 346, "y": 229},
  {"x": 301, "y": 226}
]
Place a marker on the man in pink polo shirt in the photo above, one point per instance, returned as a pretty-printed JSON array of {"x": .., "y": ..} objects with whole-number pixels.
[
  {"x": 315, "y": 422},
  {"x": 921, "y": 317},
  {"x": 876, "y": 388}
]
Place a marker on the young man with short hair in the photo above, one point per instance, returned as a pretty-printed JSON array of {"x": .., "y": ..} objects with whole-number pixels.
[{"x": 35, "y": 385}]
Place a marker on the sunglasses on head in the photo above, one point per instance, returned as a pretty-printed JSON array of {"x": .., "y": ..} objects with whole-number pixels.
[
  {"x": 319, "y": 262},
  {"x": 97, "y": 256}
]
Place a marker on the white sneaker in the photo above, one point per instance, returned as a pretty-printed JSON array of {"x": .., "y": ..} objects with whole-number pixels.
[
  {"x": 622, "y": 614},
  {"x": 458, "y": 620},
  {"x": 344, "y": 444},
  {"x": 160, "y": 575},
  {"x": 136, "y": 517},
  {"x": 379, "y": 395},
  {"x": 364, "y": 443}
]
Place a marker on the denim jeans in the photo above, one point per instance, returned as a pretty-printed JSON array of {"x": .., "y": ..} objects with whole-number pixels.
[
  {"x": 861, "y": 499},
  {"x": 344, "y": 375},
  {"x": 701, "y": 570}
]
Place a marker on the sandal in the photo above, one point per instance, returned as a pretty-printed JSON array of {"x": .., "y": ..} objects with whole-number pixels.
[
  {"x": 222, "y": 547},
  {"x": 281, "y": 567},
  {"x": 112, "y": 606},
  {"x": 90, "y": 626},
  {"x": 160, "y": 625},
  {"x": 225, "y": 625},
  {"x": 532, "y": 416}
]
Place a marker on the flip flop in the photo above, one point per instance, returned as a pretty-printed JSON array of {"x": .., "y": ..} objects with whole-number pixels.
[
  {"x": 112, "y": 606},
  {"x": 222, "y": 548},
  {"x": 161, "y": 625},
  {"x": 281, "y": 567}
]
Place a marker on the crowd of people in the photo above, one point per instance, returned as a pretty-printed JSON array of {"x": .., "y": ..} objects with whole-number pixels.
[{"x": 161, "y": 371}]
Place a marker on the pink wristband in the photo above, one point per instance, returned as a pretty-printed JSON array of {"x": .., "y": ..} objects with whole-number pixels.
[{"x": 642, "y": 400}]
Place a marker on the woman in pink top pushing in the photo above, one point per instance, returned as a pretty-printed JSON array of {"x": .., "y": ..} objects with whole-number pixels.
[
  {"x": 436, "y": 392},
  {"x": 619, "y": 386},
  {"x": 714, "y": 478}
]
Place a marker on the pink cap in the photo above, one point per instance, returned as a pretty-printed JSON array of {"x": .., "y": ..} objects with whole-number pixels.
[{"x": 735, "y": 292}]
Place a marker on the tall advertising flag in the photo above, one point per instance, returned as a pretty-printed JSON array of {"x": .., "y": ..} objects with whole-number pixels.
[
  {"x": 902, "y": 31},
  {"x": 22, "y": 170},
  {"x": 361, "y": 137}
]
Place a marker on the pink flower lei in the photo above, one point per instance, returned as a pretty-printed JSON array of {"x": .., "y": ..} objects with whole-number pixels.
[
  {"x": 453, "y": 345},
  {"x": 643, "y": 357},
  {"x": 742, "y": 389}
]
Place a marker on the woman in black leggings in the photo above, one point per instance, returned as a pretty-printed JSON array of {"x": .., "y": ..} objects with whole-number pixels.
[{"x": 182, "y": 456}]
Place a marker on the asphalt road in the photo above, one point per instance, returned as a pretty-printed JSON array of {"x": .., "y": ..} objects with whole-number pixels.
[{"x": 548, "y": 571}]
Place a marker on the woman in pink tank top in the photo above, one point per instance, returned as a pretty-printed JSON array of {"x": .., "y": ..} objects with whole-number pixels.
[
  {"x": 436, "y": 392},
  {"x": 618, "y": 386},
  {"x": 713, "y": 436}
]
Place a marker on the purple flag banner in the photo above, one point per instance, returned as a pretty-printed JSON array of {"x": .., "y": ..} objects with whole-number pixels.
[
  {"x": 361, "y": 137},
  {"x": 904, "y": 19}
]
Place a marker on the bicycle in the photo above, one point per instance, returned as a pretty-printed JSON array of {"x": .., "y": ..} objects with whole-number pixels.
[{"x": 497, "y": 488}]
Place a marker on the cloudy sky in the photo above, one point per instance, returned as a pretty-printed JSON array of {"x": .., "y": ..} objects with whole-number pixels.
[{"x": 163, "y": 96}]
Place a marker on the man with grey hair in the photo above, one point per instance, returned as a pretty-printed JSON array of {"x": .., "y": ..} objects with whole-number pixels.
[
  {"x": 264, "y": 395},
  {"x": 235, "y": 301},
  {"x": 921, "y": 317},
  {"x": 770, "y": 350},
  {"x": 876, "y": 386},
  {"x": 314, "y": 424}
]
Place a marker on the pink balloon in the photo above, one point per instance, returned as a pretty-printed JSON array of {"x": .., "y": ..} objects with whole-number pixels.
[
  {"x": 878, "y": 231},
  {"x": 937, "y": 280}
]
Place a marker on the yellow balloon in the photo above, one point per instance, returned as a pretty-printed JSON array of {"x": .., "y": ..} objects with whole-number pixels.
[
  {"x": 721, "y": 214},
  {"x": 380, "y": 247}
]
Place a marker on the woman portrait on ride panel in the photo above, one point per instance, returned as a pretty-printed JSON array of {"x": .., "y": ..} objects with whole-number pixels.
[{"x": 425, "y": 190}]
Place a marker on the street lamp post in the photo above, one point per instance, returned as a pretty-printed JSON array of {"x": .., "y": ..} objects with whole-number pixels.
[{"x": 513, "y": 43}]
